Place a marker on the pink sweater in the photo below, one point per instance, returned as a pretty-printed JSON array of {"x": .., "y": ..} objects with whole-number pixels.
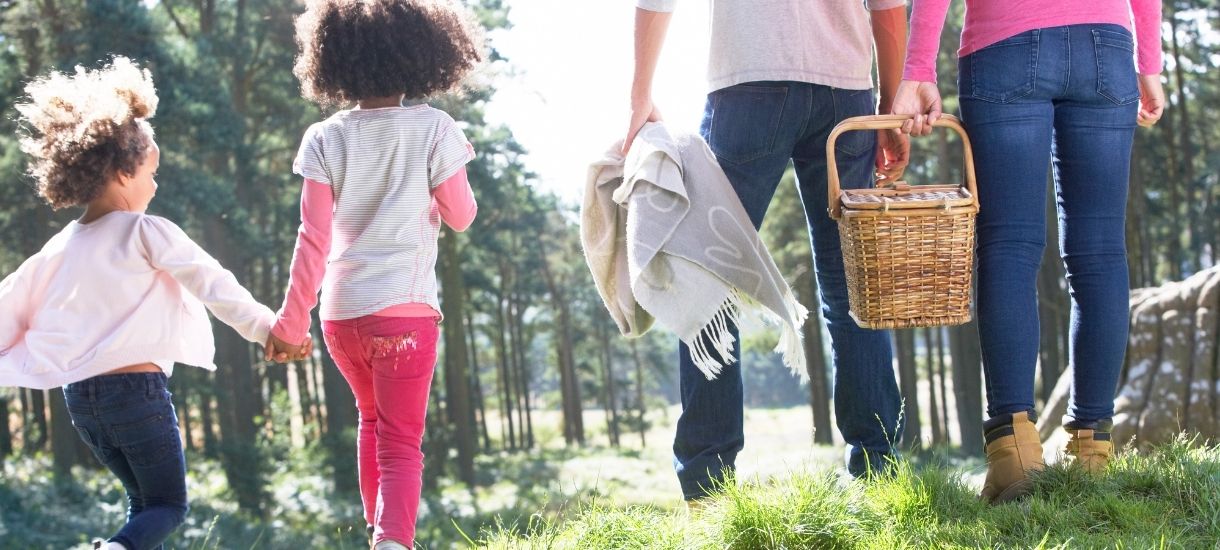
[
  {"x": 989, "y": 21},
  {"x": 454, "y": 201}
]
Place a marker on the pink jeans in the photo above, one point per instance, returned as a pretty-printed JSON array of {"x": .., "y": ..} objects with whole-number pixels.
[{"x": 388, "y": 362}]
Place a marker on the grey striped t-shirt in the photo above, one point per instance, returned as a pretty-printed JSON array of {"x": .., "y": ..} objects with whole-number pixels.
[{"x": 382, "y": 165}]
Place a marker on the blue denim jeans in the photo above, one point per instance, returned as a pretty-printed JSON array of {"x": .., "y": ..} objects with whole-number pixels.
[
  {"x": 129, "y": 423},
  {"x": 1065, "y": 96},
  {"x": 755, "y": 129}
]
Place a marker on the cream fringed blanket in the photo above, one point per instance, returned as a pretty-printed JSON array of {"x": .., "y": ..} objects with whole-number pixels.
[{"x": 667, "y": 239}]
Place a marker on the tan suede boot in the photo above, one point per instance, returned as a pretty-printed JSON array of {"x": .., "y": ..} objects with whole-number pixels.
[
  {"x": 1090, "y": 446},
  {"x": 1013, "y": 451}
]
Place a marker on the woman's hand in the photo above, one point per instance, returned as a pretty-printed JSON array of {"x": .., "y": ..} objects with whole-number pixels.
[
  {"x": 920, "y": 99},
  {"x": 1152, "y": 100},
  {"x": 893, "y": 154}
]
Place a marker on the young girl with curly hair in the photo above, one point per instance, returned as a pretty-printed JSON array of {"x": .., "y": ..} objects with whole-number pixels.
[
  {"x": 110, "y": 303},
  {"x": 379, "y": 178}
]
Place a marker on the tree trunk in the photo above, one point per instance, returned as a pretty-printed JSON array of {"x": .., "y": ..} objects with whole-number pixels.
[
  {"x": 967, "y": 384},
  {"x": 504, "y": 381},
  {"x": 608, "y": 394},
  {"x": 6, "y": 432},
  {"x": 38, "y": 407},
  {"x": 63, "y": 438},
  {"x": 940, "y": 372},
  {"x": 933, "y": 401},
  {"x": 476, "y": 387},
  {"x": 522, "y": 371},
  {"x": 569, "y": 383},
  {"x": 457, "y": 377},
  {"x": 641, "y": 418},
  {"x": 211, "y": 442},
  {"x": 908, "y": 375},
  {"x": 815, "y": 358}
]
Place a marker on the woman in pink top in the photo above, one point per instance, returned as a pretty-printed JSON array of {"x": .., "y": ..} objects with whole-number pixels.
[
  {"x": 1042, "y": 83},
  {"x": 379, "y": 179}
]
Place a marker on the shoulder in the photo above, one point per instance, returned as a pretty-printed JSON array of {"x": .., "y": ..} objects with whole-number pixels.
[{"x": 152, "y": 228}]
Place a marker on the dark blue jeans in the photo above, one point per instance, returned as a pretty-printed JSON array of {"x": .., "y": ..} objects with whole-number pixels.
[
  {"x": 1067, "y": 96},
  {"x": 754, "y": 130},
  {"x": 129, "y": 423}
]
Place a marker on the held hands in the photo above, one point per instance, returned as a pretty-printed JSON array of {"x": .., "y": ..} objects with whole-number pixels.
[
  {"x": 281, "y": 352},
  {"x": 920, "y": 99},
  {"x": 1152, "y": 100}
]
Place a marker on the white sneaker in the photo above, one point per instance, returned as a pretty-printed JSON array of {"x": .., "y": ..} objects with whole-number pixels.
[
  {"x": 113, "y": 546},
  {"x": 390, "y": 545}
]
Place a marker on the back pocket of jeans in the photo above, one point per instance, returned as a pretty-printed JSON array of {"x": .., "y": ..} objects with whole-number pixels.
[
  {"x": 1004, "y": 71},
  {"x": 745, "y": 121},
  {"x": 1116, "y": 78}
]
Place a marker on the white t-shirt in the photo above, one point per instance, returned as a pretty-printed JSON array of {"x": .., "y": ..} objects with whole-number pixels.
[
  {"x": 382, "y": 165},
  {"x": 827, "y": 42},
  {"x": 124, "y": 289}
]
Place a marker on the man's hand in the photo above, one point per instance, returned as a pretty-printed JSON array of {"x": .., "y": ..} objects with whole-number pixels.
[
  {"x": 920, "y": 99},
  {"x": 642, "y": 111},
  {"x": 1152, "y": 100},
  {"x": 893, "y": 154}
]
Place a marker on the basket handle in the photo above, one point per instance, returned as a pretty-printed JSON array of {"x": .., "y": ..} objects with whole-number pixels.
[{"x": 890, "y": 122}]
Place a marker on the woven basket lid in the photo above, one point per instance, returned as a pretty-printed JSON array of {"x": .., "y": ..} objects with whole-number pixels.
[{"x": 902, "y": 196}]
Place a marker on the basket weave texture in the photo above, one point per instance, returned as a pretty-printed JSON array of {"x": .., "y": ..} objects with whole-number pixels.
[{"x": 908, "y": 252}]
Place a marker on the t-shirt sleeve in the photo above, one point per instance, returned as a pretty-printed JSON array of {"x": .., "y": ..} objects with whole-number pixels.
[
  {"x": 310, "y": 162},
  {"x": 450, "y": 152},
  {"x": 169, "y": 249},
  {"x": 656, "y": 5},
  {"x": 878, "y": 5}
]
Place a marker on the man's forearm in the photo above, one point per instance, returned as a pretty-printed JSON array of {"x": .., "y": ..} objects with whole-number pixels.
[
  {"x": 890, "y": 37},
  {"x": 650, "y": 27}
]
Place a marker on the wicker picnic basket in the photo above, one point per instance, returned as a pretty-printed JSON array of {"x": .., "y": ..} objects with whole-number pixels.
[{"x": 908, "y": 251}]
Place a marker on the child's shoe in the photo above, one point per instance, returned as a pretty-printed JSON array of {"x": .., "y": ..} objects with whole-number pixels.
[
  {"x": 1090, "y": 446},
  {"x": 1013, "y": 451}
]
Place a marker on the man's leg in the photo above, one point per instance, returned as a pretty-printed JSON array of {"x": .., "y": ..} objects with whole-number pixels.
[
  {"x": 751, "y": 128},
  {"x": 866, "y": 398}
]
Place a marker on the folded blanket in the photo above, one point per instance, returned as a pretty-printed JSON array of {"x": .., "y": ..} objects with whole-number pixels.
[{"x": 667, "y": 239}]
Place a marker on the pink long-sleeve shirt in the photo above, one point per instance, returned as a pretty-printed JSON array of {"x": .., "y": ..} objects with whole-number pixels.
[
  {"x": 989, "y": 21},
  {"x": 454, "y": 201}
]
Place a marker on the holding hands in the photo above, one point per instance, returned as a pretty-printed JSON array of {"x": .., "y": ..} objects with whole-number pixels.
[{"x": 282, "y": 352}]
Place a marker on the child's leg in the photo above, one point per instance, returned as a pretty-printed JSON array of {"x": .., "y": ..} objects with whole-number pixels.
[
  {"x": 340, "y": 337},
  {"x": 129, "y": 422},
  {"x": 403, "y": 354}
]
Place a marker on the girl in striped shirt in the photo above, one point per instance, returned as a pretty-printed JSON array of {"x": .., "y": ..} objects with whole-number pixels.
[{"x": 379, "y": 178}]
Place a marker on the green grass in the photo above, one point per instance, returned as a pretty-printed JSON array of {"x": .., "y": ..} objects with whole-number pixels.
[{"x": 1166, "y": 498}]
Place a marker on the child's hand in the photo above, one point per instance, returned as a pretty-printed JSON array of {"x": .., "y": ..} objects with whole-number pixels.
[{"x": 281, "y": 352}]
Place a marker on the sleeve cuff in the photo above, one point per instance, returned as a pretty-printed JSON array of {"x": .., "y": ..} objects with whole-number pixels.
[{"x": 656, "y": 5}]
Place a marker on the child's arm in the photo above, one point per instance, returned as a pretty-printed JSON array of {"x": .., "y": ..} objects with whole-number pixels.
[
  {"x": 14, "y": 303},
  {"x": 308, "y": 262},
  {"x": 169, "y": 249},
  {"x": 455, "y": 200}
]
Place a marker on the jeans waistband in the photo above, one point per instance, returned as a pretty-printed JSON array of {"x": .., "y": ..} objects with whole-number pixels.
[{"x": 147, "y": 381}]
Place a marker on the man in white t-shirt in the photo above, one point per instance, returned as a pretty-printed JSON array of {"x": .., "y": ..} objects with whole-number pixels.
[{"x": 781, "y": 74}]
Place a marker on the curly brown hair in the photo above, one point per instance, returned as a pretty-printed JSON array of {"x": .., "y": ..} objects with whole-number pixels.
[
  {"x": 359, "y": 49},
  {"x": 82, "y": 129}
]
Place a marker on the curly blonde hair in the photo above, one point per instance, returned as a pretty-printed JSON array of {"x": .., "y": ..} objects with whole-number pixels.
[
  {"x": 358, "y": 49},
  {"x": 83, "y": 129}
]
